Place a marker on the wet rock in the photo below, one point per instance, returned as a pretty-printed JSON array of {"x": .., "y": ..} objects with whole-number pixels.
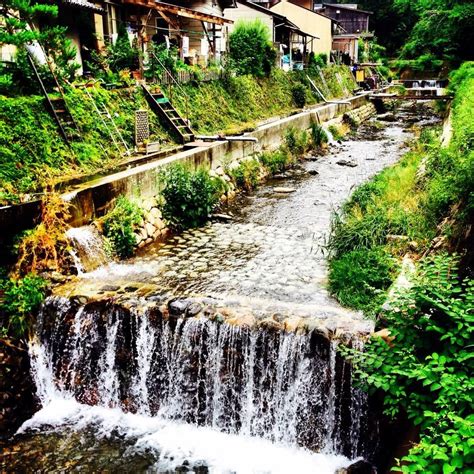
[
  {"x": 193, "y": 309},
  {"x": 283, "y": 190},
  {"x": 270, "y": 324},
  {"x": 388, "y": 117},
  {"x": 110, "y": 288},
  {"x": 222, "y": 217},
  {"x": 351, "y": 164},
  {"x": 177, "y": 306},
  {"x": 359, "y": 467}
]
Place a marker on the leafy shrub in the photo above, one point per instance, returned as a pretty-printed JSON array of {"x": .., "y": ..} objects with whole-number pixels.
[
  {"x": 318, "y": 136},
  {"x": 275, "y": 161},
  {"x": 21, "y": 297},
  {"x": 189, "y": 196},
  {"x": 316, "y": 61},
  {"x": 247, "y": 174},
  {"x": 360, "y": 278},
  {"x": 121, "y": 55},
  {"x": 298, "y": 92},
  {"x": 426, "y": 370},
  {"x": 296, "y": 141},
  {"x": 250, "y": 49},
  {"x": 119, "y": 226}
]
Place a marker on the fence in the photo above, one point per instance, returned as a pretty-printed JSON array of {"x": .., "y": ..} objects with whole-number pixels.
[{"x": 183, "y": 77}]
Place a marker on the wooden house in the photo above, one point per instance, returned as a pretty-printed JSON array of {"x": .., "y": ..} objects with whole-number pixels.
[
  {"x": 285, "y": 35},
  {"x": 316, "y": 24},
  {"x": 352, "y": 25}
]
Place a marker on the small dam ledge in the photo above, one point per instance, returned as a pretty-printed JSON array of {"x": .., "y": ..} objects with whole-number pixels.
[{"x": 330, "y": 322}]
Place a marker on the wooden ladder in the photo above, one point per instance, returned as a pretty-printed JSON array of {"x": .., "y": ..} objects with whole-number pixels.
[
  {"x": 162, "y": 106},
  {"x": 57, "y": 106}
]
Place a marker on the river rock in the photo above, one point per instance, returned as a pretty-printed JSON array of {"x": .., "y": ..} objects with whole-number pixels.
[
  {"x": 283, "y": 190},
  {"x": 177, "y": 306},
  {"x": 351, "y": 164},
  {"x": 313, "y": 172},
  {"x": 359, "y": 467},
  {"x": 193, "y": 309}
]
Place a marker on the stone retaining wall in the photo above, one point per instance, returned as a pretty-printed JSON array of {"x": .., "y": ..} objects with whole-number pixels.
[{"x": 357, "y": 116}]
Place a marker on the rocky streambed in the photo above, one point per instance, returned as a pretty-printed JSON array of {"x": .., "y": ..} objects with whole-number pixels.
[{"x": 216, "y": 350}]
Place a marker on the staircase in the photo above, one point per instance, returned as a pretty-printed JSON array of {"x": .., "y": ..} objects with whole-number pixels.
[
  {"x": 58, "y": 107},
  {"x": 161, "y": 105}
]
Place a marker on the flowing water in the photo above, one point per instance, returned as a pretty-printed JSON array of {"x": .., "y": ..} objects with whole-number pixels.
[{"x": 215, "y": 351}]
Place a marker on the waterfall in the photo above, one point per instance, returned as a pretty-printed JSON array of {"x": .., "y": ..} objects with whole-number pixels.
[
  {"x": 88, "y": 248},
  {"x": 286, "y": 388}
]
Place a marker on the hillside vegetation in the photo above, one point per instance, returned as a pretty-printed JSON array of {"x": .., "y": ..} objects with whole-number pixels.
[{"x": 33, "y": 155}]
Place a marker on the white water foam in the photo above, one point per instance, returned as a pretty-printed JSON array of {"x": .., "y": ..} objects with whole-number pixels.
[{"x": 176, "y": 443}]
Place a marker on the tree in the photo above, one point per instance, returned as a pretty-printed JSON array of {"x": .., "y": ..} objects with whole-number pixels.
[
  {"x": 18, "y": 18},
  {"x": 251, "y": 51}
]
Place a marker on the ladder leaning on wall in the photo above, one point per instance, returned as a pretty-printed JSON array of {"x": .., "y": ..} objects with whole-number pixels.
[{"x": 109, "y": 124}]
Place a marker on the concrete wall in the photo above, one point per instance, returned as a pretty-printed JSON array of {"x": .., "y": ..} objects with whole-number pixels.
[
  {"x": 309, "y": 22},
  {"x": 94, "y": 198}
]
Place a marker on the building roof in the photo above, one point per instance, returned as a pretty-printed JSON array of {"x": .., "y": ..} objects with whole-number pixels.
[
  {"x": 345, "y": 7},
  {"x": 84, "y": 4},
  {"x": 179, "y": 11}
]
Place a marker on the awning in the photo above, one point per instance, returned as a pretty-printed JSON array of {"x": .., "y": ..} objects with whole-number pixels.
[
  {"x": 84, "y": 4},
  {"x": 179, "y": 11}
]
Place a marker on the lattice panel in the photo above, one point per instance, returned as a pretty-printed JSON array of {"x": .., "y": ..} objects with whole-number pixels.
[{"x": 142, "y": 127}]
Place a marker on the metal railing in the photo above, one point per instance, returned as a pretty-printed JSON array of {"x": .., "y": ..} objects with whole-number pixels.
[{"x": 174, "y": 81}]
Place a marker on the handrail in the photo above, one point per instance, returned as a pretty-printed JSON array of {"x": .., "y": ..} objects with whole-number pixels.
[{"x": 186, "y": 103}]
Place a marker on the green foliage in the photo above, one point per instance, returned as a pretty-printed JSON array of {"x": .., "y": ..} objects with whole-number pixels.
[
  {"x": 21, "y": 297},
  {"x": 33, "y": 154},
  {"x": 160, "y": 57},
  {"x": 335, "y": 132},
  {"x": 360, "y": 278},
  {"x": 426, "y": 370},
  {"x": 247, "y": 174},
  {"x": 296, "y": 141},
  {"x": 275, "y": 161},
  {"x": 318, "y": 136},
  {"x": 18, "y": 16},
  {"x": 235, "y": 104},
  {"x": 189, "y": 196},
  {"x": 250, "y": 49},
  {"x": 119, "y": 226},
  {"x": 298, "y": 92},
  {"x": 121, "y": 55},
  {"x": 443, "y": 31},
  {"x": 317, "y": 61}
]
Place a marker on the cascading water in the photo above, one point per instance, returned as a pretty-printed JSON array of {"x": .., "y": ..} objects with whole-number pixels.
[
  {"x": 88, "y": 248},
  {"x": 277, "y": 388}
]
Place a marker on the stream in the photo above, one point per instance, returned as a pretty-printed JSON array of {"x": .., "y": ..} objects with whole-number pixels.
[{"x": 215, "y": 351}]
